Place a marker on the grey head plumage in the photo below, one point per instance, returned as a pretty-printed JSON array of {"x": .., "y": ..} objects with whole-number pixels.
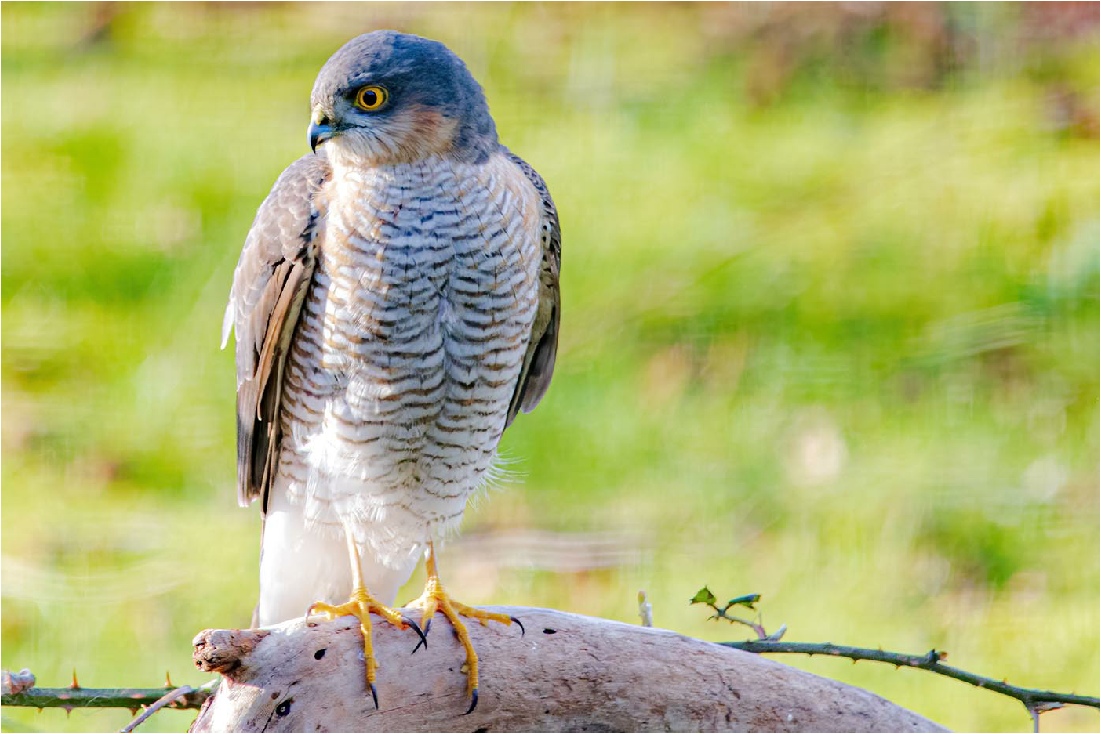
[{"x": 389, "y": 97}]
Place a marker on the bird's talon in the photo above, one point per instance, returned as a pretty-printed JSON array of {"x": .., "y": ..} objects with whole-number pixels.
[
  {"x": 518, "y": 624},
  {"x": 374, "y": 696},
  {"x": 473, "y": 701},
  {"x": 424, "y": 636},
  {"x": 417, "y": 628}
]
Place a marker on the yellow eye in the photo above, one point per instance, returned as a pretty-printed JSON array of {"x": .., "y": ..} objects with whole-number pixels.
[{"x": 371, "y": 97}]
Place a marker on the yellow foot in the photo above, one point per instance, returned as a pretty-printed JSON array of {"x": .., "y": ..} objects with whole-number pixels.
[
  {"x": 360, "y": 606},
  {"x": 435, "y": 598}
]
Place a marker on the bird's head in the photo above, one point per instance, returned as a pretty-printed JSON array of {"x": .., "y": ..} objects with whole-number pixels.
[{"x": 389, "y": 97}]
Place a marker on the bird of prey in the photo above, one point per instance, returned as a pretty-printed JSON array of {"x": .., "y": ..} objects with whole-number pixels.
[{"x": 396, "y": 304}]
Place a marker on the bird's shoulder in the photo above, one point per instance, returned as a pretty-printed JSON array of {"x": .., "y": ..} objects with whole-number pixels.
[
  {"x": 282, "y": 227},
  {"x": 290, "y": 207},
  {"x": 550, "y": 229}
]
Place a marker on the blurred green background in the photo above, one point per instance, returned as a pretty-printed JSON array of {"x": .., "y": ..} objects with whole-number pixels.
[{"x": 830, "y": 288}]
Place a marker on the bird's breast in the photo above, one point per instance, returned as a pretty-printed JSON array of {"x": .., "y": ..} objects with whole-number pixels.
[{"x": 411, "y": 337}]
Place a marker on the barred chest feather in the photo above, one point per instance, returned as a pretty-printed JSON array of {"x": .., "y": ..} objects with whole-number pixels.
[{"x": 409, "y": 347}]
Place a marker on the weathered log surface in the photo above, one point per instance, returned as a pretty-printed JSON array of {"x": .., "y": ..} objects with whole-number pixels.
[{"x": 568, "y": 673}]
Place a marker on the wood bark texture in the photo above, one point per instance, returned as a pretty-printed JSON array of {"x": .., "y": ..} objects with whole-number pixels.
[{"x": 567, "y": 673}]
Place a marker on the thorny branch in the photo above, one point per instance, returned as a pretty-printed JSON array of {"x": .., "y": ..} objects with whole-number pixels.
[
  {"x": 1035, "y": 700},
  {"x": 19, "y": 690}
]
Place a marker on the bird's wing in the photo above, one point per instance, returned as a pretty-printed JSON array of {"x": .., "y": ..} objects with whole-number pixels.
[
  {"x": 269, "y": 285},
  {"x": 535, "y": 375}
]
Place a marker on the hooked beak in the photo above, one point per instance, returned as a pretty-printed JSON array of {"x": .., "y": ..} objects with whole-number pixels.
[{"x": 320, "y": 130}]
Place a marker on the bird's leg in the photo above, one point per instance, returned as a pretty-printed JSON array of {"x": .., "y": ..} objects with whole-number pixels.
[
  {"x": 435, "y": 598},
  {"x": 360, "y": 606}
]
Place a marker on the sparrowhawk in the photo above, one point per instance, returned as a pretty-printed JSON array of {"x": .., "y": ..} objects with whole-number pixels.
[{"x": 396, "y": 304}]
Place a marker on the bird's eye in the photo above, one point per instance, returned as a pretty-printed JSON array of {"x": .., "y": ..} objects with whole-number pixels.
[
  {"x": 284, "y": 708},
  {"x": 371, "y": 97}
]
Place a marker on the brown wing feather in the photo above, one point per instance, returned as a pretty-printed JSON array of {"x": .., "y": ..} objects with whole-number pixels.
[
  {"x": 269, "y": 285},
  {"x": 535, "y": 376}
]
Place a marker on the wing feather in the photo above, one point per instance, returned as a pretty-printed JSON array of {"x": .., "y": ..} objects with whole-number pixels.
[
  {"x": 270, "y": 283},
  {"x": 538, "y": 367}
]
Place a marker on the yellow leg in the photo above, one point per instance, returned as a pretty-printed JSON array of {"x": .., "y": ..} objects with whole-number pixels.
[
  {"x": 436, "y": 598},
  {"x": 360, "y": 606}
]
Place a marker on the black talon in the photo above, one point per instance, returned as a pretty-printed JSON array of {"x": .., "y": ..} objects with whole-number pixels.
[
  {"x": 518, "y": 624},
  {"x": 424, "y": 635},
  {"x": 473, "y": 701},
  {"x": 417, "y": 628},
  {"x": 374, "y": 696}
]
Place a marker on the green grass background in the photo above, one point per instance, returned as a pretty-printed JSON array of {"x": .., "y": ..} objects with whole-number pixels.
[{"x": 830, "y": 296}]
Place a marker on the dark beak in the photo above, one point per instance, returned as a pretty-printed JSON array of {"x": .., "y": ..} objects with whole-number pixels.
[
  {"x": 319, "y": 132},
  {"x": 321, "y": 127}
]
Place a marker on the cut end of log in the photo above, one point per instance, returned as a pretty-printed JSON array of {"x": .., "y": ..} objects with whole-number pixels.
[
  {"x": 569, "y": 673},
  {"x": 225, "y": 651}
]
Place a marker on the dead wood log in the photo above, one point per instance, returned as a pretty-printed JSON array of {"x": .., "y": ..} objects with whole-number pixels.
[{"x": 568, "y": 673}]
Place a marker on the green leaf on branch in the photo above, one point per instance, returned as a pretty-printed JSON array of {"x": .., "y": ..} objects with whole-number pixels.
[
  {"x": 704, "y": 596},
  {"x": 746, "y": 600}
]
